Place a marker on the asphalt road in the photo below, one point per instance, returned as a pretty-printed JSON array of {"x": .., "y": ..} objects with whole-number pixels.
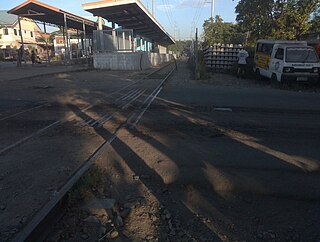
[{"x": 246, "y": 157}]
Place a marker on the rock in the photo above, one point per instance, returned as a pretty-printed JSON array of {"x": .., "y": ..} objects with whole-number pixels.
[
  {"x": 114, "y": 234},
  {"x": 104, "y": 219},
  {"x": 126, "y": 234},
  {"x": 128, "y": 205},
  {"x": 167, "y": 214},
  {"x": 104, "y": 203},
  {"x": 102, "y": 231},
  {"x": 119, "y": 220},
  {"x": 23, "y": 220},
  {"x": 91, "y": 219},
  {"x": 3, "y": 207},
  {"x": 136, "y": 177},
  {"x": 101, "y": 207},
  {"x": 149, "y": 237},
  {"x": 125, "y": 212},
  {"x": 85, "y": 236},
  {"x": 170, "y": 225}
]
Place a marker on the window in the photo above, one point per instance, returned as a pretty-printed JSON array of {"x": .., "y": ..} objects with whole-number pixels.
[
  {"x": 279, "y": 54},
  {"x": 264, "y": 48},
  {"x": 5, "y": 31},
  {"x": 25, "y": 31},
  {"x": 15, "y": 32},
  {"x": 301, "y": 55},
  {"x": 31, "y": 34}
]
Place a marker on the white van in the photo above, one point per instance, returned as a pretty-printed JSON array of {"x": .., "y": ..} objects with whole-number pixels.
[{"x": 286, "y": 61}]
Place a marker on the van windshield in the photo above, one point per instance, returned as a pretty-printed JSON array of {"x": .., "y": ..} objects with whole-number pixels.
[{"x": 301, "y": 55}]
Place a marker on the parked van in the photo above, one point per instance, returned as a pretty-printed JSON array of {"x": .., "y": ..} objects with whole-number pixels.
[{"x": 286, "y": 61}]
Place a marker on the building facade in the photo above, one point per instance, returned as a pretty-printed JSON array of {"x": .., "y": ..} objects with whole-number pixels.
[{"x": 10, "y": 35}]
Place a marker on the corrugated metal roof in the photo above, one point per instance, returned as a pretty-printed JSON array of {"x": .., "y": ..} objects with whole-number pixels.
[{"x": 7, "y": 19}]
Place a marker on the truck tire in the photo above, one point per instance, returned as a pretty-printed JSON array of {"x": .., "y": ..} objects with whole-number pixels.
[{"x": 274, "y": 81}]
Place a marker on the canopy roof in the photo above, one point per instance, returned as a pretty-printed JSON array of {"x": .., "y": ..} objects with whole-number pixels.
[
  {"x": 45, "y": 13},
  {"x": 130, "y": 14}
]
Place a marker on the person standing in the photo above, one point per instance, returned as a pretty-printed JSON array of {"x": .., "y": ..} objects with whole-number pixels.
[
  {"x": 33, "y": 57},
  {"x": 242, "y": 62},
  {"x": 20, "y": 55}
]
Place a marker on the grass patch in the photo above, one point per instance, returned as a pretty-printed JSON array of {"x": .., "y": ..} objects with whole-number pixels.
[{"x": 85, "y": 189}]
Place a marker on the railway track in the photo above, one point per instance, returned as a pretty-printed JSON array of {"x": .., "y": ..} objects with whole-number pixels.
[
  {"x": 131, "y": 101},
  {"x": 125, "y": 97}
]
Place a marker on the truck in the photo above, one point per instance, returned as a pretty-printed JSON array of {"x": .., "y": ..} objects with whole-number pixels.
[{"x": 284, "y": 61}]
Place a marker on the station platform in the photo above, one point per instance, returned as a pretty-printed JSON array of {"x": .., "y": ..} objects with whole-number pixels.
[{"x": 10, "y": 72}]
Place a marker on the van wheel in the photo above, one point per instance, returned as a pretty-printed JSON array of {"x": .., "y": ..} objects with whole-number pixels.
[{"x": 274, "y": 81}]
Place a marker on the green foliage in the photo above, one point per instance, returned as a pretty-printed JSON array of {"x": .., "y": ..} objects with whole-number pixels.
[
  {"x": 181, "y": 47},
  {"x": 43, "y": 39},
  {"x": 275, "y": 19},
  {"x": 218, "y": 31}
]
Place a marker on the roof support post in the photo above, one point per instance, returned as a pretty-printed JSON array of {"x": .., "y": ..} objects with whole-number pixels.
[
  {"x": 153, "y": 8},
  {"x": 46, "y": 40},
  {"x": 67, "y": 36},
  {"x": 85, "y": 41},
  {"x": 78, "y": 42},
  {"x": 100, "y": 23},
  {"x": 124, "y": 41},
  {"x": 134, "y": 46},
  {"x": 21, "y": 38},
  {"x": 64, "y": 42},
  {"x": 130, "y": 42},
  {"x": 114, "y": 36}
]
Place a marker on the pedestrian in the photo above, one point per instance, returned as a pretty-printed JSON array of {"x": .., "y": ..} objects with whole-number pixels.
[
  {"x": 242, "y": 62},
  {"x": 19, "y": 56},
  {"x": 33, "y": 57}
]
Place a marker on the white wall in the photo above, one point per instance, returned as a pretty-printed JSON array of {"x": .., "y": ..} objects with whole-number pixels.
[{"x": 128, "y": 61}]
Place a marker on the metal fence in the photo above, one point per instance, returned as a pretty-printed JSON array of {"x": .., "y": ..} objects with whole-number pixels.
[{"x": 113, "y": 40}]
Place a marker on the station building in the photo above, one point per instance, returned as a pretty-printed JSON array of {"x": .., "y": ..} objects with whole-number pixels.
[{"x": 134, "y": 41}]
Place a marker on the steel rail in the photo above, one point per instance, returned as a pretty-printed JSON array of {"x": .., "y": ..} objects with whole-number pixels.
[{"x": 24, "y": 111}]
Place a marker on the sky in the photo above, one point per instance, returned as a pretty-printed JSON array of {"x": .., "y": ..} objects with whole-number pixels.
[{"x": 178, "y": 17}]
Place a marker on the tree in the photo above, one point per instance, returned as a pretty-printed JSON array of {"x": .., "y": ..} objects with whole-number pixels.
[
  {"x": 218, "y": 31},
  {"x": 181, "y": 46},
  {"x": 275, "y": 19},
  {"x": 43, "y": 39}
]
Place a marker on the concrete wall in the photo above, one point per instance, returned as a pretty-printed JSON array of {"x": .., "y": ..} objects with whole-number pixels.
[{"x": 128, "y": 61}]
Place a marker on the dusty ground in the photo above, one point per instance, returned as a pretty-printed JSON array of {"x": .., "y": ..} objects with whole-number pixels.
[
  {"x": 189, "y": 171},
  {"x": 32, "y": 172}
]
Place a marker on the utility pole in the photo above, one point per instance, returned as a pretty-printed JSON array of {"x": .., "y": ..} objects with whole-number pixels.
[
  {"x": 153, "y": 8},
  {"x": 212, "y": 10},
  {"x": 196, "y": 56}
]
